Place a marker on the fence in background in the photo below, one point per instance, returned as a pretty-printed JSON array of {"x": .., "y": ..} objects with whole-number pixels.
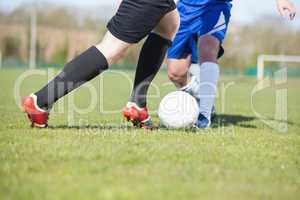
[{"x": 250, "y": 71}]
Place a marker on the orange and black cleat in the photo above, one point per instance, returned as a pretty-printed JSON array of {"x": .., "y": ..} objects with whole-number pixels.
[
  {"x": 37, "y": 116},
  {"x": 139, "y": 117}
]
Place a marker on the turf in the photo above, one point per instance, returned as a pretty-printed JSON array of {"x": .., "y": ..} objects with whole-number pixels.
[{"x": 100, "y": 156}]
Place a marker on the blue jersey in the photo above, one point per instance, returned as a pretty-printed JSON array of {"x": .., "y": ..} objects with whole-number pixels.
[{"x": 202, "y": 2}]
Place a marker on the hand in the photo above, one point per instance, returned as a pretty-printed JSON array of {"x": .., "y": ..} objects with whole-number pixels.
[{"x": 286, "y": 9}]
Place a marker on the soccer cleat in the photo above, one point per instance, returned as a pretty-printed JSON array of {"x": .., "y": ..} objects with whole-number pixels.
[
  {"x": 138, "y": 116},
  {"x": 37, "y": 116},
  {"x": 202, "y": 122}
]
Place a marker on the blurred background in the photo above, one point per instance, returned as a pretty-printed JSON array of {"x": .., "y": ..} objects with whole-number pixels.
[{"x": 47, "y": 33}]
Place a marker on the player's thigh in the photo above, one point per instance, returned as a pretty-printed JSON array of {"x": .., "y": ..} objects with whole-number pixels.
[
  {"x": 178, "y": 68},
  {"x": 168, "y": 25},
  {"x": 209, "y": 47},
  {"x": 112, "y": 48}
]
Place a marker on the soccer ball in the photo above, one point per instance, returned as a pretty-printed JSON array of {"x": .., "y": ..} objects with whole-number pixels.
[{"x": 178, "y": 110}]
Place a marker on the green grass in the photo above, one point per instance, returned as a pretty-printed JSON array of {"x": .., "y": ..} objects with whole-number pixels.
[{"x": 101, "y": 157}]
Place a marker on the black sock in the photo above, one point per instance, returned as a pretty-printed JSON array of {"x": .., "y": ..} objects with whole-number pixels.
[
  {"x": 80, "y": 70},
  {"x": 150, "y": 60}
]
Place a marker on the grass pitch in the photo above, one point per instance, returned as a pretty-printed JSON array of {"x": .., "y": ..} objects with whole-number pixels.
[{"x": 96, "y": 155}]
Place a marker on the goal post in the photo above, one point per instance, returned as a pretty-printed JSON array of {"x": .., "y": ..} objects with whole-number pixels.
[{"x": 262, "y": 59}]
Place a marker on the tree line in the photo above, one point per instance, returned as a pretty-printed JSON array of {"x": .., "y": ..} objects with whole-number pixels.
[{"x": 74, "y": 31}]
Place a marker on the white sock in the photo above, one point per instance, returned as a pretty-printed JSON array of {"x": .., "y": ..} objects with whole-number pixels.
[
  {"x": 194, "y": 69},
  {"x": 209, "y": 76},
  {"x": 192, "y": 87}
]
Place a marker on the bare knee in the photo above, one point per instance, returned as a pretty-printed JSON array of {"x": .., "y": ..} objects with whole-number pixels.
[
  {"x": 168, "y": 32},
  {"x": 178, "y": 73},
  {"x": 209, "y": 48},
  {"x": 174, "y": 73}
]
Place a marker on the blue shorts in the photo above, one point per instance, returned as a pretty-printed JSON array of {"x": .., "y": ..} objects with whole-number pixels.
[{"x": 196, "y": 21}]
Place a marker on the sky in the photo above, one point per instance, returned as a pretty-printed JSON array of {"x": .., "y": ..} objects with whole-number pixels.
[{"x": 244, "y": 11}]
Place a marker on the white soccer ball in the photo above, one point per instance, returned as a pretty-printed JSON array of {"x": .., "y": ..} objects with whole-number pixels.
[{"x": 178, "y": 110}]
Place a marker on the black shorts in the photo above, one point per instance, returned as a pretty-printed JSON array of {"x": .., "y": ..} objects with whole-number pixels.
[{"x": 135, "y": 19}]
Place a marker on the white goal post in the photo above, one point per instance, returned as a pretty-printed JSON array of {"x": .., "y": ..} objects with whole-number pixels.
[{"x": 262, "y": 59}]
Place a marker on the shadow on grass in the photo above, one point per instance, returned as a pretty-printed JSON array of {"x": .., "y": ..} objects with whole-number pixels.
[
  {"x": 224, "y": 120},
  {"x": 95, "y": 127},
  {"x": 240, "y": 120},
  {"x": 220, "y": 120}
]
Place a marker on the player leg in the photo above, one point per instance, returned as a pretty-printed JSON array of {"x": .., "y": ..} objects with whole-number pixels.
[
  {"x": 209, "y": 48},
  {"x": 152, "y": 55},
  {"x": 150, "y": 60},
  {"x": 80, "y": 70}
]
